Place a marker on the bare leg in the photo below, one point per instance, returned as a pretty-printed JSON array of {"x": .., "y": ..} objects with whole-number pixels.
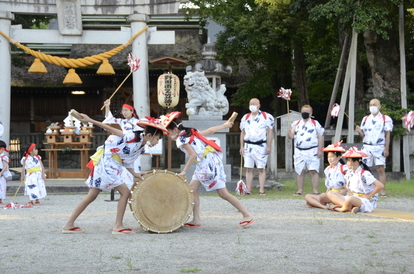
[
  {"x": 224, "y": 194},
  {"x": 82, "y": 205},
  {"x": 315, "y": 180},
  {"x": 349, "y": 203},
  {"x": 319, "y": 201},
  {"x": 336, "y": 198},
  {"x": 300, "y": 180},
  {"x": 249, "y": 178},
  {"x": 262, "y": 178},
  {"x": 382, "y": 177},
  {"x": 196, "y": 209},
  {"x": 122, "y": 202}
]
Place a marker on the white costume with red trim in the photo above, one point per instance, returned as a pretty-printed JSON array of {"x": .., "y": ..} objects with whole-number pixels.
[
  {"x": 209, "y": 169},
  {"x": 255, "y": 138},
  {"x": 34, "y": 185},
  {"x": 112, "y": 158},
  {"x": 374, "y": 128},
  {"x": 306, "y": 145},
  {"x": 126, "y": 126},
  {"x": 3, "y": 178},
  {"x": 335, "y": 176},
  {"x": 361, "y": 182}
]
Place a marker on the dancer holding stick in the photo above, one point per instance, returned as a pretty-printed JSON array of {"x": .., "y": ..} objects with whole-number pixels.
[{"x": 133, "y": 63}]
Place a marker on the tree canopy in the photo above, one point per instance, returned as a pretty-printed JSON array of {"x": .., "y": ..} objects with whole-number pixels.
[{"x": 271, "y": 37}]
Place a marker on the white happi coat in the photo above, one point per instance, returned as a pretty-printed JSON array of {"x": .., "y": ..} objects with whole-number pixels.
[
  {"x": 34, "y": 185},
  {"x": 3, "y": 178},
  {"x": 360, "y": 182},
  {"x": 113, "y": 157},
  {"x": 209, "y": 169},
  {"x": 335, "y": 176}
]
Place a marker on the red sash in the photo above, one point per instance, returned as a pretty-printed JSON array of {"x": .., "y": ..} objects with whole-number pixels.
[{"x": 208, "y": 142}]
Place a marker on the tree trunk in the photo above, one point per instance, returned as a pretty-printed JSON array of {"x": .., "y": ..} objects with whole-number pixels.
[
  {"x": 383, "y": 59},
  {"x": 300, "y": 74}
]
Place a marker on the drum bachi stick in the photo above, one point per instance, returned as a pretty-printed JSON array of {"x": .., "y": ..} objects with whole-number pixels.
[{"x": 233, "y": 117}]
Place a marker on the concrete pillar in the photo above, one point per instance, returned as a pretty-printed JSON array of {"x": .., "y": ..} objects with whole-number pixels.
[
  {"x": 396, "y": 154},
  {"x": 140, "y": 78},
  {"x": 5, "y": 75}
]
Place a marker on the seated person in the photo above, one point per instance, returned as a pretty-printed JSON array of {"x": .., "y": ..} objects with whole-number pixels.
[
  {"x": 362, "y": 186},
  {"x": 334, "y": 177}
]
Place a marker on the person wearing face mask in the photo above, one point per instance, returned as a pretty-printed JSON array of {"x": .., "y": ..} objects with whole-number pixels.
[
  {"x": 307, "y": 134},
  {"x": 376, "y": 130},
  {"x": 256, "y": 142},
  {"x": 112, "y": 167}
]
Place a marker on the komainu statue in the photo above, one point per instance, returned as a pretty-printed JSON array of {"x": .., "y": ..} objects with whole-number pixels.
[{"x": 203, "y": 100}]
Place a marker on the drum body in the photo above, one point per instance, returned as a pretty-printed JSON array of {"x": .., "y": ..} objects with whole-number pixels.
[{"x": 162, "y": 202}]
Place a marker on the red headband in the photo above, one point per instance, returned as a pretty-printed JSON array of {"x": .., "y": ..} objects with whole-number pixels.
[
  {"x": 32, "y": 146},
  {"x": 128, "y": 107}
]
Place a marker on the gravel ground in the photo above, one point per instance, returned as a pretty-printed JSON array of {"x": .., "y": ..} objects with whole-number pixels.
[{"x": 286, "y": 238}]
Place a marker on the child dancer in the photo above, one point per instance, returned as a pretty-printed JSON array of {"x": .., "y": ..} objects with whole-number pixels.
[
  {"x": 362, "y": 186},
  {"x": 109, "y": 171},
  {"x": 128, "y": 123},
  {"x": 4, "y": 170},
  {"x": 33, "y": 175},
  {"x": 209, "y": 169},
  {"x": 334, "y": 177}
]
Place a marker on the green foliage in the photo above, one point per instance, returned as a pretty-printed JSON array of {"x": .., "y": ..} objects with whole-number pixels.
[
  {"x": 401, "y": 188},
  {"x": 32, "y": 21},
  {"x": 396, "y": 113},
  {"x": 320, "y": 92},
  {"x": 379, "y": 16},
  {"x": 19, "y": 61},
  {"x": 256, "y": 34}
]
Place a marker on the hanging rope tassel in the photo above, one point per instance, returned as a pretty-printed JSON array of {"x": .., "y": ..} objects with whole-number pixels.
[{"x": 74, "y": 63}]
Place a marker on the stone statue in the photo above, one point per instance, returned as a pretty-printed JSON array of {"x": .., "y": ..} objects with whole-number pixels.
[{"x": 203, "y": 100}]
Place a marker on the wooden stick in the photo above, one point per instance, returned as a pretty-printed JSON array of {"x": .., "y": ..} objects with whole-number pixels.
[
  {"x": 288, "y": 112},
  {"x": 233, "y": 116},
  {"x": 118, "y": 88},
  {"x": 349, "y": 118}
]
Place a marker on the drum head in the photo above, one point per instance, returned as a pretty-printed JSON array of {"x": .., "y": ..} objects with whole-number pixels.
[{"x": 162, "y": 202}]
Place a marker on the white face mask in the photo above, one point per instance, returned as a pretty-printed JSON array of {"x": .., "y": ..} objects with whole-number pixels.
[
  {"x": 253, "y": 108},
  {"x": 373, "y": 109}
]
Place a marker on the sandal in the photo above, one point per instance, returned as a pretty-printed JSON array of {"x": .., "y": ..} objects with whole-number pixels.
[
  {"x": 355, "y": 210},
  {"x": 37, "y": 203},
  {"x": 30, "y": 203},
  {"x": 297, "y": 194},
  {"x": 383, "y": 195},
  {"x": 333, "y": 207},
  {"x": 262, "y": 194},
  {"x": 316, "y": 193}
]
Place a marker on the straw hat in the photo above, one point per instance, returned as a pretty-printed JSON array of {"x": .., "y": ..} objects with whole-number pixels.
[
  {"x": 353, "y": 152},
  {"x": 169, "y": 117},
  {"x": 334, "y": 147},
  {"x": 152, "y": 122}
]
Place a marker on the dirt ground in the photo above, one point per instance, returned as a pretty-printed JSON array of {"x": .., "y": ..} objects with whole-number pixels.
[{"x": 287, "y": 237}]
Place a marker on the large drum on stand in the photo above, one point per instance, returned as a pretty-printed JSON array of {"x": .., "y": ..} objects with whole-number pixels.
[{"x": 162, "y": 202}]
